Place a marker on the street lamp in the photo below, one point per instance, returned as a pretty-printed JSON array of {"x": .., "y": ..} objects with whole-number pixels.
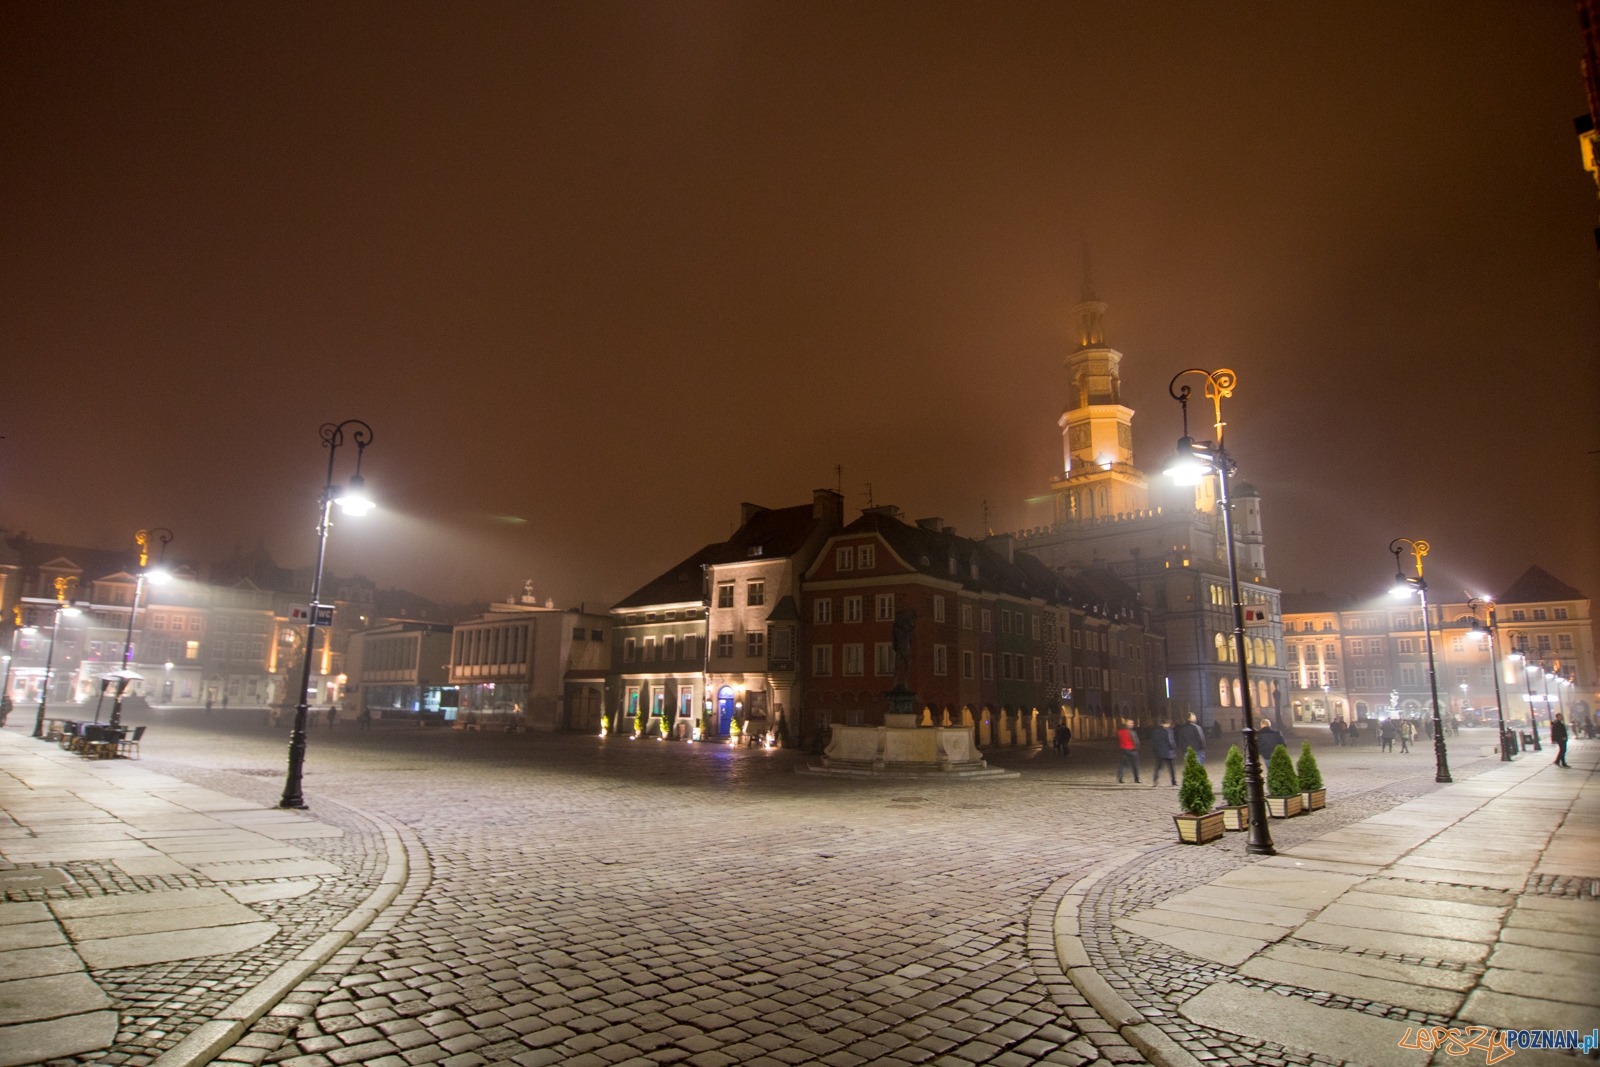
[
  {"x": 1189, "y": 465},
  {"x": 1492, "y": 631},
  {"x": 62, "y": 608},
  {"x": 159, "y": 576},
  {"x": 353, "y": 500},
  {"x": 1527, "y": 680},
  {"x": 1404, "y": 587}
]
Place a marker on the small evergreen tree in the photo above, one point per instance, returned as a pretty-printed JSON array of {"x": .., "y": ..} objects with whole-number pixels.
[
  {"x": 1309, "y": 774},
  {"x": 667, "y": 715},
  {"x": 1233, "y": 788},
  {"x": 1281, "y": 781},
  {"x": 1196, "y": 794},
  {"x": 640, "y": 718}
]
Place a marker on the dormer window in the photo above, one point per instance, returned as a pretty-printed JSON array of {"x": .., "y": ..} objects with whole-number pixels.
[
  {"x": 754, "y": 550},
  {"x": 952, "y": 562}
]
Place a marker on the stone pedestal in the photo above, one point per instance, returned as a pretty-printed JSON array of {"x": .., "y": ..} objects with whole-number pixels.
[{"x": 901, "y": 748}]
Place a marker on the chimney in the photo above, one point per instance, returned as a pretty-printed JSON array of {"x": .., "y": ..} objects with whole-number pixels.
[
  {"x": 935, "y": 524},
  {"x": 888, "y": 511},
  {"x": 1001, "y": 543},
  {"x": 748, "y": 511},
  {"x": 827, "y": 507}
]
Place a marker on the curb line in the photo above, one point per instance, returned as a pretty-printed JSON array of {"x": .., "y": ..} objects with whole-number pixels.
[
  {"x": 211, "y": 1039},
  {"x": 1127, "y": 1020}
]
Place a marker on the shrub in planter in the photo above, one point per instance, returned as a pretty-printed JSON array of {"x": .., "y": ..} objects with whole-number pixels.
[
  {"x": 1283, "y": 788},
  {"x": 1235, "y": 815},
  {"x": 1312, "y": 793},
  {"x": 1198, "y": 823}
]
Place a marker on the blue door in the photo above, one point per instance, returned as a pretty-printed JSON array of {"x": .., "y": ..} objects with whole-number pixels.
[{"x": 724, "y": 710}]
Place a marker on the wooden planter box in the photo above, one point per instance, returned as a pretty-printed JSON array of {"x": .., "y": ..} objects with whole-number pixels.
[
  {"x": 1198, "y": 829},
  {"x": 1235, "y": 818},
  {"x": 1314, "y": 800},
  {"x": 1283, "y": 807}
]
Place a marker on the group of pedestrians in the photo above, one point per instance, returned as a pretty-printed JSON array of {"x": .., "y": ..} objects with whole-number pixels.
[{"x": 1166, "y": 742}]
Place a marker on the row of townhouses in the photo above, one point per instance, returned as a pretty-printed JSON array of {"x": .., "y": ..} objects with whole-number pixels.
[{"x": 1366, "y": 659}]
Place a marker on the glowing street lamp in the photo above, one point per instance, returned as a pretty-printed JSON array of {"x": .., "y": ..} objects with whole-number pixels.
[
  {"x": 1404, "y": 587},
  {"x": 1492, "y": 632},
  {"x": 352, "y": 500},
  {"x": 1190, "y": 464},
  {"x": 5, "y": 687},
  {"x": 62, "y": 608},
  {"x": 160, "y": 577}
]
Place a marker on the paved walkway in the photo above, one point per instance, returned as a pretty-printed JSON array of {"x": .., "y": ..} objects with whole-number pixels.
[
  {"x": 1470, "y": 905},
  {"x": 126, "y": 889}
]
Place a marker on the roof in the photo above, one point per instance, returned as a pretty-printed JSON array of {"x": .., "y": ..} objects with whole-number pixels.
[
  {"x": 1538, "y": 585},
  {"x": 776, "y": 532},
  {"x": 784, "y": 611}
]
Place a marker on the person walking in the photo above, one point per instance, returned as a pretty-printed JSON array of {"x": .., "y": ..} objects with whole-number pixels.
[
  {"x": 364, "y": 718},
  {"x": 1191, "y": 736},
  {"x": 1558, "y": 738},
  {"x": 1063, "y": 737},
  {"x": 1386, "y": 732},
  {"x": 1268, "y": 739},
  {"x": 1128, "y": 744},
  {"x": 1165, "y": 745},
  {"x": 1407, "y": 732},
  {"x": 1336, "y": 731}
]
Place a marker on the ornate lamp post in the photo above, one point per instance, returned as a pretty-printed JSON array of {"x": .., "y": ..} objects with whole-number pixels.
[
  {"x": 62, "y": 608},
  {"x": 1492, "y": 631},
  {"x": 1521, "y": 639},
  {"x": 1404, "y": 587},
  {"x": 354, "y": 501},
  {"x": 1189, "y": 464},
  {"x": 143, "y": 538}
]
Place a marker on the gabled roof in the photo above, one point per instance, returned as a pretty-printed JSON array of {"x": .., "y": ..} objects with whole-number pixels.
[
  {"x": 1538, "y": 585},
  {"x": 784, "y": 611},
  {"x": 777, "y": 532}
]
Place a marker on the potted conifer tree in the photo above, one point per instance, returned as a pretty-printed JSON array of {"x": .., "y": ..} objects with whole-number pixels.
[
  {"x": 1283, "y": 788},
  {"x": 1235, "y": 798},
  {"x": 1312, "y": 793},
  {"x": 1197, "y": 824}
]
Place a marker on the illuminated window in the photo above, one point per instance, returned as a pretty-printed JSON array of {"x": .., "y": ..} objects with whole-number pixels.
[{"x": 191, "y": 650}]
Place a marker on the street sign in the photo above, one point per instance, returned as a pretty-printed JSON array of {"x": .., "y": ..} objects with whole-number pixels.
[
  {"x": 1257, "y": 617},
  {"x": 324, "y": 614},
  {"x": 299, "y": 613}
]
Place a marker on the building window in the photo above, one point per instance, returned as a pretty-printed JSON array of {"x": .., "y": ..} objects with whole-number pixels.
[
  {"x": 988, "y": 665},
  {"x": 725, "y": 595},
  {"x": 1564, "y": 641},
  {"x": 1408, "y": 676},
  {"x": 938, "y": 609},
  {"x": 941, "y": 662},
  {"x": 649, "y": 650},
  {"x": 1035, "y": 625},
  {"x": 1330, "y": 652},
  {"x": 579, "y": 633},
  {"x": 1380, "y": 678},
  {"x": 986, "y": 617},
  {"x": 1333, "y": 679},
  {"x": 191, "y": 650},
  {"x": 691, "y": 643},
  {"x": 1561, "y": 614},
  {"x": 822, "y": 610},
  {"x": 159, "y": 622},
  {"x": 966, "y": 664},
  {"x": 725, "y": 646},
  {"x": 821, "y": 660},
  {"x": 628, "y": 651},
  {"x": 1518, "y": 615},
  {"x": 845, "y": 559},
  {"x": 1224, "y": 693},
  {"x": 755, "y": 594},
  {"x": 1461, "y": 675},
  {"x": 1038, "y": 669},
  {"x": 852, "y": 609},
  {"x": 1077, "y": 639},
  {"x": 869, "y": 557},
  {"x": 755, "y": 644},
  {"x": 852, "y": 663},
  {"x": 1403, "y": 644},
  {"x": 966, "y": 616},
  {"x": 883, "y": 659},
  {"x": 1544, "y": 642},
  {"x": 669, "y": 647},
  {"x": 1539, "y": 615},
  {"x": 885, "y": 604},
  {"x": 1005, "y": 666},
  {"x": 1360, "y": 678}
]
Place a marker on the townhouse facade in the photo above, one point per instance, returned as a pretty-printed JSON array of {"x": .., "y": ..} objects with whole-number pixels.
[
  {"x": 1367, "y": 659},
  {"x": 511, "y": 666}
]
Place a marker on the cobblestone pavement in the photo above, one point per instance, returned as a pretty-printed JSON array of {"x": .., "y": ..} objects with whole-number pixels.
[
  {"x": 159, "y": 1003},
  {"x": 601, "y": 902}
]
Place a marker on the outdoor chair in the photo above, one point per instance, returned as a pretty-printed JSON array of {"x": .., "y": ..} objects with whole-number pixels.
[{"x": 128, "y": 747}]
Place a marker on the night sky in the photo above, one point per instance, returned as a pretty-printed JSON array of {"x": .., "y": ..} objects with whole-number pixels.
[{"x": 596, "y": 273}]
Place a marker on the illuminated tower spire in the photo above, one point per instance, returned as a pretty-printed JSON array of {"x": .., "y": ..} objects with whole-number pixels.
[{"x": 1099, "y": 479}]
